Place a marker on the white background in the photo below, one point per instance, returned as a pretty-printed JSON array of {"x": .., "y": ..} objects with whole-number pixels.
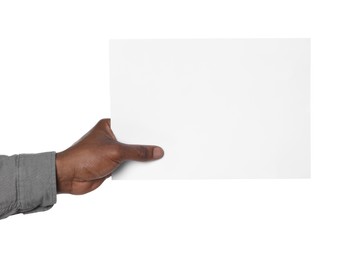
[{"x": 54, "y": 81}]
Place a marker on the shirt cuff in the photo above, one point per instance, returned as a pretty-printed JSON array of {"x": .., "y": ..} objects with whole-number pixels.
[{"x": 37, "y": 187}]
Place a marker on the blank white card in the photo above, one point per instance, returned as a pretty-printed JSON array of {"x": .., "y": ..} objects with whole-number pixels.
[{"x": 220, "y": 108}]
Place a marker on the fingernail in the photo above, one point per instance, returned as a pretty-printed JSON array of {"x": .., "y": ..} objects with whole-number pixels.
[{"x": 157, "y": 153}]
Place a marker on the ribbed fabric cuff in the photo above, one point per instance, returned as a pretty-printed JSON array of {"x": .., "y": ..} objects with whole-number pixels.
[{"x": 37, "y": 187}]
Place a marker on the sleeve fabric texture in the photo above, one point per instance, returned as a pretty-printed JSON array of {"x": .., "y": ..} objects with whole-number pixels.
[{"x": 27, "y": 183}]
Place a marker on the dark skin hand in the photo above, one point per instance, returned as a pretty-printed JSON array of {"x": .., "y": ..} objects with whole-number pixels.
[{"x": 85, "y": 165}]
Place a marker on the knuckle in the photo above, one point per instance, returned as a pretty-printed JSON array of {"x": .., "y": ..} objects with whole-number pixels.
[
  {"x": 119, "y": 151},
  {"x": 143, "y": 153},
  {"x": 104, "y": 122},
  {"x": 116, "y": 152}
]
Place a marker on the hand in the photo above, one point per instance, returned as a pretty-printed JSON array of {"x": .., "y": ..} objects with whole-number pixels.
[{"x": 87, "y": 163}]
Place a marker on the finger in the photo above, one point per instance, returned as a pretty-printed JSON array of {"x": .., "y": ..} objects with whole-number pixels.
[
  {"x": 83, "y": 187},
  {"x": 105, "y": 124},
  {"x": 97, "y": 183},
  {"x": 141, "y": 153}
]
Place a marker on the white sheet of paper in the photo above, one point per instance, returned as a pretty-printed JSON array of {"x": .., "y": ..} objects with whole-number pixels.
[{"x": 220, "y": 108}]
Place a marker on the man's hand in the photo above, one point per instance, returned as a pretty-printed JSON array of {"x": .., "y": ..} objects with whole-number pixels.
[{"x": 87, "y": 163}]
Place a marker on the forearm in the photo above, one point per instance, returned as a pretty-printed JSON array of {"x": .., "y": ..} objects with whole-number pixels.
[{"x": 27, "y": 183}]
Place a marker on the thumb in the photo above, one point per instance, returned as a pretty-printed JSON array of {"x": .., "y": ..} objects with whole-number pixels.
[{"x": 141, "y": 153}]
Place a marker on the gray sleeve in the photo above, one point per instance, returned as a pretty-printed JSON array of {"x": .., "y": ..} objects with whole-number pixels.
[{"x": 27, "y": 183}]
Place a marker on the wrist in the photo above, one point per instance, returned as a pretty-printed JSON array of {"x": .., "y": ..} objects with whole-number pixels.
[{"x": 63, "y": 185}]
